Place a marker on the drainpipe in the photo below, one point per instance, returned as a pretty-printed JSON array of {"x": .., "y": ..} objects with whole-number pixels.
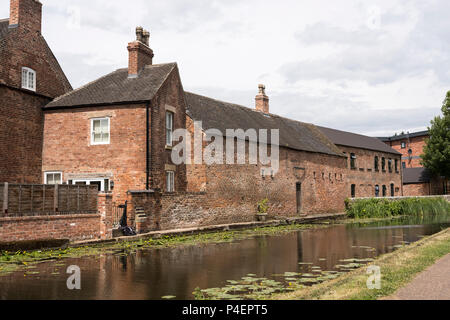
[{"x": 148, "y": 152}]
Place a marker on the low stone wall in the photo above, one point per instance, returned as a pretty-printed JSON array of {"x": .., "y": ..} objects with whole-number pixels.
[{"x": 72, "y": 227}]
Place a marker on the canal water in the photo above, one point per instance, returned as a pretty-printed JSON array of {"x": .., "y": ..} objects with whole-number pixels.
[{"x": 154, "y": 273}]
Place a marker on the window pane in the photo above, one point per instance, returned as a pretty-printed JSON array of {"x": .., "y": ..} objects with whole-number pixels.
[
  {"x": 104, "y": 125},
  {"x": 169, "y": 120},
  {"x": 105, "y": 137},
  {"x": 97, "y": 126},
  {"x": 24, "y": 78},
  {"x": 57, "y": 178},
  {"x": 31, "y": 80},
  {"x": 97, "y": 137},
  {"x": 50, "y": 179}
]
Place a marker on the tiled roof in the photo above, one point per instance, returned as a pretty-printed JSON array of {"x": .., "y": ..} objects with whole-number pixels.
[
  {"x": 216, "y": 114},
  {"x": 416, "y": 175},
  {"x": 117, "y": 87},
  {"x": 348, "y": 139}
]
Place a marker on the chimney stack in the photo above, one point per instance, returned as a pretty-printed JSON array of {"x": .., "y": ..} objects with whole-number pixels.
[
  {"x": 262, "y": 101},
  {"x": 26, "y": 14},
  {"x": 139, "y": 53}
]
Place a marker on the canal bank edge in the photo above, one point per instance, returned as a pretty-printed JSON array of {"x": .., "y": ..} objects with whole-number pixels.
[
  {"x": 398, "y": 268},
  {"x": 216, "y": 228},
  {"x": 11, "y": 261}
]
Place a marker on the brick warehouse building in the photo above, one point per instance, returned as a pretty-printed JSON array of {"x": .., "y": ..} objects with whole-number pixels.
[
  {"x": 123, "y": 124},
  {"x": 116, "y": 133},
  {"x": 417, "y": 180},
  {"x": 30, "y": 77}
]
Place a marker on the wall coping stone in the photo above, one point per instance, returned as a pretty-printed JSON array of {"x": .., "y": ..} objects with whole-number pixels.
[{"x": 50, "y": 217}]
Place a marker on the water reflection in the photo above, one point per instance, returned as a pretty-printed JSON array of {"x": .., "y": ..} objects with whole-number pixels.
[{"x": 151, "y": 274}]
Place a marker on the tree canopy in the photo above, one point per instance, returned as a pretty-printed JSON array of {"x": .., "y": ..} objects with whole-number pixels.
[{"x": 436, "y": 155}]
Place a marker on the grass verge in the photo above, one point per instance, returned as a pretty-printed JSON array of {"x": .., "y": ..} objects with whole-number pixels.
[{"x": 397, "y": 269}]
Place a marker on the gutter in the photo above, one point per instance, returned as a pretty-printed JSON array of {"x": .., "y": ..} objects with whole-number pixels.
[{"x": 148, "y": 151}]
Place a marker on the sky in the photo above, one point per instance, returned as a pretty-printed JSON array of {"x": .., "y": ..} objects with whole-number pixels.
[{"x": 369, "y": 67}]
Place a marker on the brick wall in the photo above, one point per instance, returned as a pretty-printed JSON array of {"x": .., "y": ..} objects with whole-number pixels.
[
  {"x": 365, "y": 177},
  {"x": 170, "y": 97},
  {"x": 68, "y": 149},
  {"x": 418, "y": 189},
  {"x": 21, "y": 130},
  {"x": 416, "y": 144},
  {"x": 325, "y": 181},
  {"x": 21, "y": 119},
  {"x": 73, "y": 227}
]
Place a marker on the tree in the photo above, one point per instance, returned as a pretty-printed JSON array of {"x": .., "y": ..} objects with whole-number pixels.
[{"x": 436, "y": 155}]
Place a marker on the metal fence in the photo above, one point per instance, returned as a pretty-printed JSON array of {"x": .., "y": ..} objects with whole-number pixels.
[{"x": 37, "y": 200}]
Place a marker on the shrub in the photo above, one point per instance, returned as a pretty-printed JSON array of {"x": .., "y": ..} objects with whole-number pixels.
[{"x": 380, "y": 208}]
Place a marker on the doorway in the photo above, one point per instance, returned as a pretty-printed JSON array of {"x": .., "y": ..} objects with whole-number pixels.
[{"x": 299, "y": 198}]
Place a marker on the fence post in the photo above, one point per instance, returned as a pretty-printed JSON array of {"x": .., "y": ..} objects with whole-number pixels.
[
  {"x": 55, "y": 199},
  {"x": 5, "y": 198}
]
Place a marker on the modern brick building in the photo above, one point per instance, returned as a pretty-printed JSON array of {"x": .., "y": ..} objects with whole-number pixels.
[
  {"x": 410, "y": 145},
  {"x": 30, "y": 77},
  {"x": 417, "y": 180}
]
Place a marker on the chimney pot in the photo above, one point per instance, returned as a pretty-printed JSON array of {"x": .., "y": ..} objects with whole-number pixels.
[
  {"x": 146, "y": 38},
  {"x": 262, "y": 100},
  {"x": 139, "y": 33}
]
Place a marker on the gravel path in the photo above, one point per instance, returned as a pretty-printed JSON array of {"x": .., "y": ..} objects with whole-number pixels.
[{"x": 431, "y": 284}]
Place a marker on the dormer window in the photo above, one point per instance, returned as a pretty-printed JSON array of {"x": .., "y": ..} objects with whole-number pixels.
[{"x": 28, "y": 79}]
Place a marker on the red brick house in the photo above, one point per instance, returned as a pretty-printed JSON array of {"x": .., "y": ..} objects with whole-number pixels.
[
  {"x": 30, "y": 77},
  {"x": 111, "y": 132}
]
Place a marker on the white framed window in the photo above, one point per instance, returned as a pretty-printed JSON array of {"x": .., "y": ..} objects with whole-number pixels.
[
  {"x": 100, "y": 131},
  {"x": 28, "y": 79},
  {"x": 102, "y": 184},
  {"x": 169, "y": 128},
  {"x": 53, "y": 178},
  {"x": 170, "y": 181}
]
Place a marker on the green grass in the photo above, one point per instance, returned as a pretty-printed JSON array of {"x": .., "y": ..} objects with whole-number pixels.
[{"x": 379, "y": 208}]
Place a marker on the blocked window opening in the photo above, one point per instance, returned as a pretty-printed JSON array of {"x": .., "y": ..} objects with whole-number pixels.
[{"x": 170, "y": 181}]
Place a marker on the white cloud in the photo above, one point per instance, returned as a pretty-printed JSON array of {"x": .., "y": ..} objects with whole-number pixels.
[{"x": 371, "y": 67}]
